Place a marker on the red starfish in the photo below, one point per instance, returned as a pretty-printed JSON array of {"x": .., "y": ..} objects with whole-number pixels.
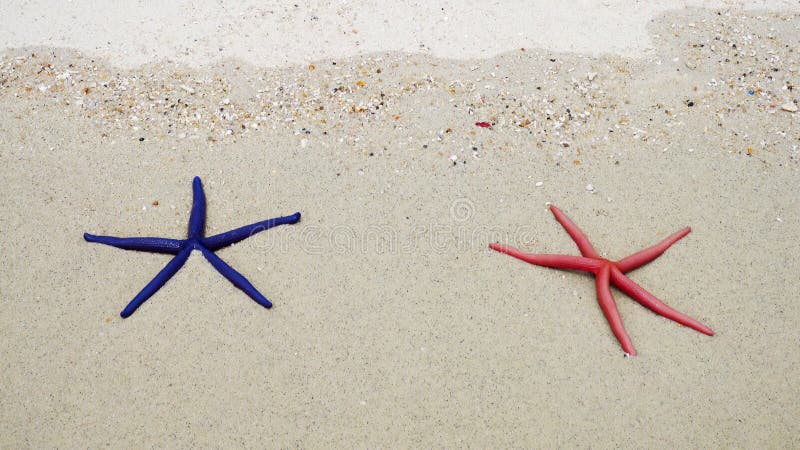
[{"x": 606, "y": 272}]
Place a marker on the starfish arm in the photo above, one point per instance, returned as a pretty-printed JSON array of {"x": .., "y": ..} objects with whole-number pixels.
[
  {"x": 657, "y": 306},
  {"x": 235, "y": 277},
  {"x": 555, "y": 261},
  {"x": 218, "y": 241},
  {"x": 609, "y": 307},
  {"x": 575, "y": 233},
  {"x": 643, "y": 257},
  {"x": 197, "y": 220},
  {"x": 142, "y": 244},
  {"x": 155, "y": 284}
]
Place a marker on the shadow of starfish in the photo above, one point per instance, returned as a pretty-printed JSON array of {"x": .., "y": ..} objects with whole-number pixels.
[
  {"x": 606, "y": 272},
  {"x": 196, "y": 240}
]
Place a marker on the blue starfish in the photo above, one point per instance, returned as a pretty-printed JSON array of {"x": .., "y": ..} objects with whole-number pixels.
[{"x": 196, "y": 240}]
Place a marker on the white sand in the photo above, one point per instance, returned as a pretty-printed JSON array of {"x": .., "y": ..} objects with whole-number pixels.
[{"x": 394, "y": 325}]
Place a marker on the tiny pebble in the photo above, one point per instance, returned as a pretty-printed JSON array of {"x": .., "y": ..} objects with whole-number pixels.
[
  {"x": 539, "y": 184},
  {"x": 790, "y": 107},
  {"x": 590, "y": 187}
]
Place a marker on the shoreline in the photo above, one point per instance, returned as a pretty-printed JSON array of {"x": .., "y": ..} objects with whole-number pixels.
[{"x": 202, "y": 34}]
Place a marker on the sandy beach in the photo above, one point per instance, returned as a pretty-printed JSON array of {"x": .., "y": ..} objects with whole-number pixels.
[{"x": 394, "y": 325}]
